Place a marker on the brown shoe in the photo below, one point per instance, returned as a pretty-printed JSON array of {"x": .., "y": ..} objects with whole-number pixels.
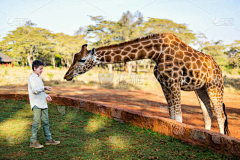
[
  {"x": 52, "y": 142},
  {"x": 36, "y": 145}
]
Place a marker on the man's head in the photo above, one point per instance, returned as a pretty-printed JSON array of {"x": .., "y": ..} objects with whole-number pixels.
[
  {"x": 37, "y": 67},
  {"x": 83, "y": 61}
]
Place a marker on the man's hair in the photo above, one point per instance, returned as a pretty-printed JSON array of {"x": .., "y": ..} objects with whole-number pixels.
[{"x": 36, "y": 64}]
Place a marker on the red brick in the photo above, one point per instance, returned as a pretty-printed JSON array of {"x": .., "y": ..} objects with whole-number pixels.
[
  {"x": 92, "y": 107},
  {"x": 187, "y": 133},
  {"x": 66, "y": 101},
  {"x": 81, "y": 104},
  {"x": 22, "y": 97},
  {"x": 104, "y": 110},
  {"x": 7, "y": 96}
]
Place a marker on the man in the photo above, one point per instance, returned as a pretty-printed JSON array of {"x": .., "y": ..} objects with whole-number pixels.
[{"x": 37, "y": 98}]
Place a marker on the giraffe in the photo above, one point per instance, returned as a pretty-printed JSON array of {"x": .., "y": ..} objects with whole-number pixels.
[{"x": 178, "y": 67}]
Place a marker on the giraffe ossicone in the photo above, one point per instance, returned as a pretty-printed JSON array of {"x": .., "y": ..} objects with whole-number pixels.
[{"x": 178, "y": 67}]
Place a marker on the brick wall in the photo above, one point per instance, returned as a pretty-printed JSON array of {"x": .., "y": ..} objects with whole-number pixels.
[{"x": 187, "y": 133}]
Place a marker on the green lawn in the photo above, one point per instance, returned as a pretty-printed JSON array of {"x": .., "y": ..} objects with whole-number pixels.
[{"x": 84, "y": 135}]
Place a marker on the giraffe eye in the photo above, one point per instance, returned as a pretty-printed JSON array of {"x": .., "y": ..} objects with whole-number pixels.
[{"x": 82, "y": 60}]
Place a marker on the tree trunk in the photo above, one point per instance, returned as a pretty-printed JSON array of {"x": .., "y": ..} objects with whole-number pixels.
[
  {"x": 63, "y": 62},
  {"x": 53, "y": 60},
  {"x": 124, "y": 66},
  {"x": 149, "y": 65},
  {"x": 129, "y": 67},
  {"x": 22, "y": 62},
  {"x": 114, "y": 67},
  {"x": 29, "y": 59},
  {"x": 30, "y": 56},
  {"x": 68, "y": 63},
  {"x": 144, "y": 64},
  {"x": 110, "y": 68},
  {"x": 137, "y": 67}
]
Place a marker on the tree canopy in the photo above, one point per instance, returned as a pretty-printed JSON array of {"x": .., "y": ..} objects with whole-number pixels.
[{"x": 30, "y": 42}]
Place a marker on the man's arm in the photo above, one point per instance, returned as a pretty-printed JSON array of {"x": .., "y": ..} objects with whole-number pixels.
[{"x": 34, "y": 88}]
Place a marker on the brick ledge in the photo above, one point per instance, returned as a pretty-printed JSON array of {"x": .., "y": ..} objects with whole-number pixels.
[{"x": 187, "y": 133}]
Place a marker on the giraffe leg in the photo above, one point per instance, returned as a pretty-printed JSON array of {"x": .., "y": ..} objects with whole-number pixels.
[
  {"x": 215, "y": 94},
  {"x": 173, "y": 97},
  {"x": 205, "y": 104},
  {"x": 167, "y": 94},
  {"x": 176, "y": 99}
]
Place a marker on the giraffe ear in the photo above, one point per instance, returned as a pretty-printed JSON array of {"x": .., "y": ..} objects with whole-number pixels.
[
  {"x": 93, "y": 51},
  {"x": 84, "y": 47}
]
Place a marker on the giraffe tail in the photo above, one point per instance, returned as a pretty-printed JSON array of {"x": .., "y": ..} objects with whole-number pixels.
[{"x": 226, "y": 130}]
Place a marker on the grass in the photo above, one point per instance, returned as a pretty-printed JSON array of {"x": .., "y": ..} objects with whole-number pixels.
[{"x": 84, "y": 135}]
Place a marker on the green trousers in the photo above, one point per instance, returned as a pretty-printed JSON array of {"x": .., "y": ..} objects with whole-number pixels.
[{"x": 40, "y": 114}]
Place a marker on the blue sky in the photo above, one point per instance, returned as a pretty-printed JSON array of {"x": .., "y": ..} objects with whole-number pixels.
[{"x": 217, "y": 19}]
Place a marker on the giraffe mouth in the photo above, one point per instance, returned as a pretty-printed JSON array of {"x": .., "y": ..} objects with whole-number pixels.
[
  {"x": 68, "y": 79},
  {"x": 68, "y": 76}
]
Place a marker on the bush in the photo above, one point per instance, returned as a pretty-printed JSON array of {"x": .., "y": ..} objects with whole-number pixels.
[
  {"x": 50, "y": 76},
  {"x": 27, "y": 67},
  {"x": 56, "y": 82},
  {"x": 229, "y": 71},
  {"x": 6, "y": 72}
]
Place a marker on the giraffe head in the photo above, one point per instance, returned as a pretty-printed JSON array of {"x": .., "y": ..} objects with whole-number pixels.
[{"x": 83, "y": 61}]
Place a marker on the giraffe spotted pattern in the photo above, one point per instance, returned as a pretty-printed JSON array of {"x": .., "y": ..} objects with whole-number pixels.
[{"x": 178, "y": 67}]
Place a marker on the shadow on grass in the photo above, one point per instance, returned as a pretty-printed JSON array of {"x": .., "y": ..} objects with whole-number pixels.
[
  {"x": 15, "y": 123},
  {"x": 84, "y": 135}
]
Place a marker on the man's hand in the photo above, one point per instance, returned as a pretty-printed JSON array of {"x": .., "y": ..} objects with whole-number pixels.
[
  {"x": 48, "y": 88},
  {"x": 49, "y": 98}
]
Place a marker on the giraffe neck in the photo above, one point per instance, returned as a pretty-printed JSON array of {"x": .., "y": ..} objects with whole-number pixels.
[{"x": 150, "y": 47}]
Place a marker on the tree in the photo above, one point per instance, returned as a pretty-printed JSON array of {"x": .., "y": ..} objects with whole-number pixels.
[
  {"x": 156, "y": 25},
  {"x": 129, "y": 29},
  {"x": 26, "y": 42},
  {"x": 200, "y": 40},
  {"x": 67, "y": 46},
  {"x": 130, "y": 26},
  {"x": 107, "y": 32},
  {"x": 103, "y": 32},
  {"x": 234, "y": 54},
  {"x": 216, "y": 50}
]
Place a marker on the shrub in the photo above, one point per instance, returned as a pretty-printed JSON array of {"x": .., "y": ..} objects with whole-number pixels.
[
  {"x": 6, "y": 72},
  {"x": 50, "y": 75}
]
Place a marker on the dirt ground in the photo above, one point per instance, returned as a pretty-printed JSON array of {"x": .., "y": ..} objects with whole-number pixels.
[{"x": 151, "y": 102}]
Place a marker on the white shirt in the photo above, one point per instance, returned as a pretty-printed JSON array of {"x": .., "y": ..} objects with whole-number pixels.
[{"x": 37, "y": 95}]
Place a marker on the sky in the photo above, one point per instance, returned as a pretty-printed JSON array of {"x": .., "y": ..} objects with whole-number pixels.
[{"x": 217, "y": 19}]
